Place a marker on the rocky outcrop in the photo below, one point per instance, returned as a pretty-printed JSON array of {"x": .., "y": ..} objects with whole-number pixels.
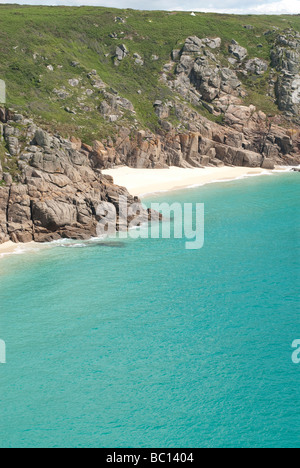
[
  {"x": 195, "y": 45},
  {"x": 256, "y": 66},
  {"x": 240, "y": 53},
  {"x": 57, "y": 190},
  {"x": 202, "y": 78},
  {"x": 57, "y": 186},
  {"x": 285, "y": 58},
  {"x": 113, "y": 106},
  {"x": 52, "y": 188},
  {"x": 121, "y": 52}
]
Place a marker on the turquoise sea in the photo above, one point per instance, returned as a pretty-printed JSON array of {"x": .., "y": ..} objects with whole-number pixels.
[{"x": 141, "y": 343}]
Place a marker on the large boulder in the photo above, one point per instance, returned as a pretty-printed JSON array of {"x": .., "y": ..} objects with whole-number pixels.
[
  {"x": 193, "y": 44},
  {"x": 238, "y": 115},
  {"x": 251, "y": 159},
  {"x": 229, "y": 79},
  {"x": 52, "y": 214},
  {"x": 238, "y": 156},
  {"x": 268, "y": 164},
  {"x": 239, "y": 52},
  {"x": 42, "y": 138},
  {"x": 121, "y": 52},
  {"x": 256, "y": 66},
  {"x": 47, "y": 162},
  {"x": 13, "y": 145},
  {"x": 213, "y": 43}
]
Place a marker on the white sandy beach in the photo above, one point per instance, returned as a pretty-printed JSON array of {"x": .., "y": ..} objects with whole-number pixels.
[
  {"x": 12, "y": 248},
  {"x": 8, "y": 247},
  {"x": 144, "y": 181}
]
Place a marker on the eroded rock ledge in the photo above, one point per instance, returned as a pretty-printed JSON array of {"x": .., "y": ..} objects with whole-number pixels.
[{"x": 51, "y": 187}]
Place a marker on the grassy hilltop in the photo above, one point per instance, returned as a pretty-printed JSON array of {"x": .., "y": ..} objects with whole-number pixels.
[{"x": 39, "y": 44}]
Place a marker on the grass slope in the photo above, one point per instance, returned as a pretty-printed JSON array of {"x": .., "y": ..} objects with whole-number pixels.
[{"x": 60, "y": 35}]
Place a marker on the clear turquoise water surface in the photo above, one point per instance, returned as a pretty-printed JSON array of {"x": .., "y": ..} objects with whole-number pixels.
[{"x": 145, "y": 344}]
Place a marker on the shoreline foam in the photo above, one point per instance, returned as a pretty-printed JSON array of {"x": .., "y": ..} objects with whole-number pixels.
[
  {"x": 10, "y": 248},
  {"x": 140, "y": 182}
]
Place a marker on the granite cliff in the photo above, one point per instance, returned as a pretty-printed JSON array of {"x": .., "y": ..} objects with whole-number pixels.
[
  {"x": 123, "y": 98},
  {"x": 53, "y": 189}
]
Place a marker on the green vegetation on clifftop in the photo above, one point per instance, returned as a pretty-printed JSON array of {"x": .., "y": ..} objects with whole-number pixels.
[{"x": 39, "y": 44}]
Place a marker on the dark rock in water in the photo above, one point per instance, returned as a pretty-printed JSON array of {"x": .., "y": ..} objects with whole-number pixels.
[
  {"x": 112, "y": 245},
  {"x": 295, "y": 169},
  {"x": 96, "y": 244}
]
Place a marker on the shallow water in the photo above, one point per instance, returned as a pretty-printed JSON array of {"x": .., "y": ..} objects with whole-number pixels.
[{"x": 141, "y": 343}]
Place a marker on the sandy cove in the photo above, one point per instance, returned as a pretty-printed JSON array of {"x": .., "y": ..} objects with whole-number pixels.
[
  {"x": 9, "y": 248},
  {"x": 145, "y": 181}
]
